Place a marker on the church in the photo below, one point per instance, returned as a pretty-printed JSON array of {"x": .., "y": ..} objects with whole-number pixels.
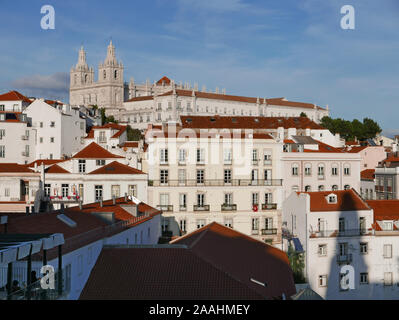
[{"x": 140, "y": 104}]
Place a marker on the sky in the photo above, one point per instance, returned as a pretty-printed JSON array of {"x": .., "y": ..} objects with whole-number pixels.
[{"x": 267, "y": 48}]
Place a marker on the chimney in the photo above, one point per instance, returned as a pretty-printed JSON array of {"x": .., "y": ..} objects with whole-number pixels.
[{"x": 113, "y": 200}]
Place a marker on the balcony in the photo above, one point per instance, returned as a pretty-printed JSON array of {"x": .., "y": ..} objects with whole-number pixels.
[
  {"x": 182, "y": 208},
  {"x": 347, "y": 258},
  {"x": 182, "y": 162},
  {"x": 25, "y": 137},
  {"x": 255, "y": 232},
  {"x": 199, "y": 208},
  {"x": 337, "y": 233},
  {"x": 165, "y": 208},
  {"x": 268, "y": 232},
  {"x": 269, "y": 206},
  {"x": 255, "y": 162},
  {"x": 227, "y": 161},
  {"x": 215, "y": 183},
  {"x": 228, "y": 207},
  {"x": 163, "y": 163},
  {"x": 267, "y": 162}
]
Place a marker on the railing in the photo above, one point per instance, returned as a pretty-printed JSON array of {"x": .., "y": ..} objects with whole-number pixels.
[
  {"x": 25, "y": 137},
  {"x": 165, "y": 208},
  {"x": 182, "y": 162},
  {"x": 337, "y": 233},
  {"x": 254, "y": 162},
  {"x": 228, "y": 207},
  {"x": 182, "y": 208},
  {"x": 269, "y": 206},
  {"x": 267, "y": 232},
  {"x": 204, "y": 207},
  {"x": 267, "y": 162},
  {"x": 347, "y": 258},
  {"x": 215, "y": 183}
]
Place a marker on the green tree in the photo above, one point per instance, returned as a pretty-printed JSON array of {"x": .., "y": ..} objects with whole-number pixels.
[
  {"x": 133, "y": 134},
  {"x": 303, "y": 114},
  {"x": 297, "y": 263},
  {"x": 105, "y": 119}
]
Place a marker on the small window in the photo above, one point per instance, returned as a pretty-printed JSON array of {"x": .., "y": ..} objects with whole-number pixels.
[
  {"x": 322, "y": 250},
  {"x": 323, "y": 280},
  {"x": 363, "y": 248},
  {"x": 387, "y": 251},
  {"x": 364, "y": 278}
]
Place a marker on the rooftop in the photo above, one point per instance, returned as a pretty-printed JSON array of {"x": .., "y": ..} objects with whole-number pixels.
[{"x": 94, "y": 151}]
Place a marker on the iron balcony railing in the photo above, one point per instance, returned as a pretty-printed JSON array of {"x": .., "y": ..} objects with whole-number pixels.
[
  {"x": 228, "y": 207},
  {"x": 165, "y": 208},
  {"x": 204, "y": 207},
  {"x": 215, "y": 183},
  {"x": 269, "y": 206},
  {"x": 267, "y": 232},
  {"x": 347, "y": 258},
  {"x": 338, "y": 233}
]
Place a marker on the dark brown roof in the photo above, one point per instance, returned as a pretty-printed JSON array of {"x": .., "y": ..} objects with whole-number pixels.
[
  {"x": 116, "y": 167},
  {"x": 160, "y": 274},
  {"x": 14, "y": 167},
  {"x": 385, "y": 209},
  {"x": 367, "y": 174},
  {"x": 241, "y": 122},
  {"x": 94, "y": 151},
  {"x": 243, "y": 258}
]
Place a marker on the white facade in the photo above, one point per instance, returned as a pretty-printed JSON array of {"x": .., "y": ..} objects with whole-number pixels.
[{"x": 59, "y": 130}]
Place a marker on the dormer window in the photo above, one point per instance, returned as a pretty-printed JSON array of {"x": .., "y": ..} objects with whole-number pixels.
[
  {"x": 332, "y": 198},
  {"x": 387, "y": 225}
]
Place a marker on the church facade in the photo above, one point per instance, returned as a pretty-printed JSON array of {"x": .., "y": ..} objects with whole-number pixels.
[{"x": 140, "y": 104}]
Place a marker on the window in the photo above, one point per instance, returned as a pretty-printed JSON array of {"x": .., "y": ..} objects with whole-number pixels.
[
  {"x": 268, "y": 198},
  {"x": 334, "y": 170},
  {"x": 267, "y": 156},
  {"x": 52, "y": 124},
  {"x": 100, "y": 162},
  {"x": 7, "y": 192},
  {"x": 294, "y": 169},
  {"x": 227, "y": 176},
  {"x": 320, "y": 170},
  {"x": 132, "y": 190},
  {"x": 115, "y": 191},
  {"x": 387, "y": 278},
  {"x": 387, "y": 251},
  {"x": 322, "y": 251},
  {"x": 321, "y": 188},
  {"x": 183, "y": 201},
  {"x": 82, "y": 166},
  {"x": 200, "y": 199},
  {"x": 228, "y": 198},
  {"x": 200, "y": 223},
  {"x": 41, "y": 124},
  {"x": 228, "y": 222},
  {"x": 341, "y": 224},
  {"x": 254, "y": 155},
  {"x": 255, "y": 198},
  {"x": 308, "y": 188},
  {"x": 308, "y": 169},
  {"x": 347, "y": 187},
  {"x": 2, "y": 133},
  {"x": 363, "y": 248},
  {"x": 81, "y": 188},
  {"x": 47, "y": 190},
  {"x": 164, "y": 199},
  {"x": 164, "y": 156},
  {"x": 343, "y": 249},
  {"x": 200, "y": 176},
  {"x": 364, "y": 278},
  {"x": 334, "y": 187},
  {"x": 183, "y": 224},
  {"x": 346, "y": 170},
  {"x": 387, "y": 225},
  {"x": 332, "y": 198},
  {"x": 65, "y": 189},
  {"x": 2, "y": 151},
  {"x": 182, "y": 176},
  {"x": 51, "y": 139},
  {"x": 182, "y": 155},
  {"x": 227, "y": 156},
  {"x": 2, "y": 107},
  {"x": 268, "y": 223},
  {"x": 41, "y": 139},
  {"x": 255, "y": 223},
  {"x": 164, "y": 174},
  {"x": 98, "y": 192},
  {"x": 200, "y": 155},
  {"x": 323, "y": 280}
]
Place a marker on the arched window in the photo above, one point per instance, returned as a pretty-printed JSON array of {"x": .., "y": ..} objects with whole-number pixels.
[
  {"x": 347, "y": 169},
  {"x": 308, "y": 188},
  {"x": 334, "y": 170},
  {"x": 75, "y": 79},
  {"x": 334, "y": 187},
  {"x": 321, "y": 188},
  {"x": 320, "y": 170},
  {"x": 116, "y": 74},
  {"x": 347, "y": 187},
  {"x": 308, "y": 169},
  {"x": 86, "y": 77},
  {"x": 105, "y": 74}
]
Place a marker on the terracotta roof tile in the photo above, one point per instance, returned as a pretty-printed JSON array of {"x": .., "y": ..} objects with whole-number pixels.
[
  {"x": 367, "y": 174},
  {"x": 114, "y": 126},
  {"x": 116, "y": 167},
  {"x": 384, "y": 209},
  {"x": 46, "y": 162},
  {"x": 14, "y": 96},
  {"x": 14, "y": 167},
  {"x": 94, "y": 151},
  {"x": 164, "y": 79},
  {"x": 56, "y": 169}
]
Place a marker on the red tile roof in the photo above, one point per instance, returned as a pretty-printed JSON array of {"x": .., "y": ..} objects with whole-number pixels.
[
  {"x": 384, "y": 209},
  {"x": 355, "y": 149},
  {"x": 14, "y": 167},
  {"x": 130, "y": 144},
  {"x": 324, "y": 148},
  {"x": 114, "y": 126},
  {"x": 218, "y": 96},
  {"x": 165, "y": 80},
  {"x": 347, "y": 200},
  {"x": 159, "y": 274},
  {"x": 94, "y": 151},
  {"x": 243, "y": 258},
  {"x": 241, "y": 122},
  {"x": 56, "y": 169},
  {"x": 367, "y": 174},
  {"x": 46, "y": 162},
  {"x": 116, "y": 167},
  {"x": 14, "y": 96},
  {"x": 142, "y": 98}
]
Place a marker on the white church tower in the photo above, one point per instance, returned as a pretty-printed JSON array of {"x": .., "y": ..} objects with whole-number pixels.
[{"x": 107, "y": 92}]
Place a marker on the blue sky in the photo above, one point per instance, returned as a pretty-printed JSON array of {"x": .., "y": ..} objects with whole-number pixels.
[{"x": 289, "y": 48}]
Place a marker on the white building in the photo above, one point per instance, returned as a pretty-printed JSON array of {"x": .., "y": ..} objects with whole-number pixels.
[
  {"x": 232, "y": 177},
  {"x": 14, "y": 101},
  {"x": 59, "y": 130},
  {"x": 310, "y": 165},
  {"x": 367, "y": 184},
  {"x": 17, "y": 138},
  {"x": 339, "y": 232}
]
